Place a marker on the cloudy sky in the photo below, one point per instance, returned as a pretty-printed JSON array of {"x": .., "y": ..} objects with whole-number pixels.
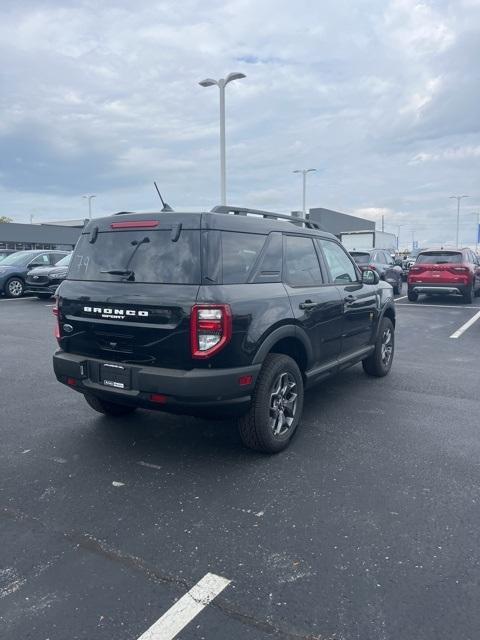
[{"x": 382, "y": 97}]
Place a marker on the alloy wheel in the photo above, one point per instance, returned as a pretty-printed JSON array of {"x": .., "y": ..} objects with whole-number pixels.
[
  {"x": 283, "y": 404},
  {"x": 15, "y": 288},
  {"x": 387, "y": 346}
]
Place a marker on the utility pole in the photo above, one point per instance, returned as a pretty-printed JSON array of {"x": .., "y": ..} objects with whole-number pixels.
[{"x": 383, "y": 222}]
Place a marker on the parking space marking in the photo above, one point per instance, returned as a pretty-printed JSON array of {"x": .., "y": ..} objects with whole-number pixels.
[
  {"x": 186, "y": 609},
  {"x": 437, "y": 306},
  {"x": 18, "y": 299},
  {"x": 402, "y": 298},
  {"x": 465, "y": 326}
]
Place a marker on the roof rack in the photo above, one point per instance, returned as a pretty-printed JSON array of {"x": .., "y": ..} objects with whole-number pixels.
[{"x": 244, "y": 211}]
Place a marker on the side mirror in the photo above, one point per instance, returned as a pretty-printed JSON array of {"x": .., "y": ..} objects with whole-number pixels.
[
  {"x": 370, "y": 277},
  {"x": 32, "y": 265}
]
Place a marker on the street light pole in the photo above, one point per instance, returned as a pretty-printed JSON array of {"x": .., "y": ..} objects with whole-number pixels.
[
  {"x": 458, "y": 199},
  {"x": 221, "y": 84},
  {"x": 304, "y": 188},
  {"x": 89, "y": 198}
]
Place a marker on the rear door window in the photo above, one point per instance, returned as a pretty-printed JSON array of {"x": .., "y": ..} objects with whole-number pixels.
[
  {"x": 439, "y": 257},
  {"x": 148, "y": 256},
  {"x": 302, "y": 268},
  {"x": 239, "y": 255}
]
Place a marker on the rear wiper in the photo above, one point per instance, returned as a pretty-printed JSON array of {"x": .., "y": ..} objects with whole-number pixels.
[
  {"x": 118, "y": 272},
  {"x": 128, "y": 273}
]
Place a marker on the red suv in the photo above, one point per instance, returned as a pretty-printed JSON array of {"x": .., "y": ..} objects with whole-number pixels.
[{"x": 445, "y": 271}]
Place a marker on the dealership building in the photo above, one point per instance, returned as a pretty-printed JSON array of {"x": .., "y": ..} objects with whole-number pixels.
[
  {"x": 337, "y": 223},
  {"x": 18, "y": 237}
]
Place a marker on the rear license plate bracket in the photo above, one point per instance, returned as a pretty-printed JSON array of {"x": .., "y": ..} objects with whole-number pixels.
[{"x": 115, "y": 376}]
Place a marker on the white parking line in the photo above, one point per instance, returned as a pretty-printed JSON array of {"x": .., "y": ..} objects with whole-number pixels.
[
  {"x": 436, "y": 306},
  {"x": 402, "y": 298},
  {"x": 185, "y": 610},
  {"x": 465, "y": 326},
  {"x": 17, "y": 299}
]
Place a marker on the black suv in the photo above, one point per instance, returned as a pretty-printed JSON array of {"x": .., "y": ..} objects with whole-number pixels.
[{"x": 231, "y": 311}]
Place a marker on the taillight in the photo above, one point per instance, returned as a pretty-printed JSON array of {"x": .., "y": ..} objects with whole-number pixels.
[
  {"x": 415, "y": 269},
  {"x": 55, "y": 312},
  {"x": 210, "y": 329},
  {"x": 372, "y": 267},
  {"x": 460, "y": 269}
]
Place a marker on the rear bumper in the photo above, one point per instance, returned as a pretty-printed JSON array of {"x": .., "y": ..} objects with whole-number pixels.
[
  {"x": 191, "y": 392},
  {"x": 446, "y": 289}
]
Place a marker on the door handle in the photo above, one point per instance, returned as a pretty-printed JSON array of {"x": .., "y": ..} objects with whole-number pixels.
[
  {"x": 308, "y": 304},
  {"x": 349, "y": 299}
]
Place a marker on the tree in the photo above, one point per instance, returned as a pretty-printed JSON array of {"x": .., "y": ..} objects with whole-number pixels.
[{"x": 5, "y": 219}]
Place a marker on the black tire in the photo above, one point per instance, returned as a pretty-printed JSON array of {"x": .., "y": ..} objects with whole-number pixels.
[
  {"x": 412, "y": 296},
  {"x": 14, "y": 288},
  {"x": 468, "y": 295},
  {"x": 266, "y": 413},
  {"x": 379, "y": 363},
  {"x": 477, "y": 292},
  {"x": 43, "y": 296},
  {"x": 397, "y": 288},
  {"x": 108, "y": 408}
]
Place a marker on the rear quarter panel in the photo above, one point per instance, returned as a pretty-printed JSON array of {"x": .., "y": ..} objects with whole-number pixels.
[{"x": 257, "y": 310}]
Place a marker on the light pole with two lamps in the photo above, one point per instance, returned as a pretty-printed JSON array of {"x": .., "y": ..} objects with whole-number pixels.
[
  {"x": 89, "y": 198},
  {"x": 221, "y": 84},
  {"x": 458, "y": 199},
  {"x": 304, "y": 190}
]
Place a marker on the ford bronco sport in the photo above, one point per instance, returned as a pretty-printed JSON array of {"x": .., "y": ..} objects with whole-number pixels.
[{"x": 235, "y": 311}]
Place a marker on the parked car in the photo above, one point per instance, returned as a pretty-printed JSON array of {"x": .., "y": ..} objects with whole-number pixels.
[
  {"x": 5, "y": 252},
  {"x": 445, "y": 271},
  {"x": 383, "y": 263},
  {"x": 44, "y": 281},
  {"x": 14, "y": 268},
  {"x": 216, "y": 313}
]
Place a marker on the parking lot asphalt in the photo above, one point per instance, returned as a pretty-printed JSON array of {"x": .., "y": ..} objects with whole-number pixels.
[{"x": 367, "y": 527}]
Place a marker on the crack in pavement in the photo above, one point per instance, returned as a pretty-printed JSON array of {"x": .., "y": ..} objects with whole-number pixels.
[{"x": 91, "y": 544}]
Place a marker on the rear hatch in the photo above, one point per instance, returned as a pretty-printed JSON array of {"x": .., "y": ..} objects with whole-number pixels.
[
  {"x": 439, "y": 267},
  {"x": 130, "y": 288}
]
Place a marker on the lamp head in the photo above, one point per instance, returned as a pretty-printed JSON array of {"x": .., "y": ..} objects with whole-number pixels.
[{"x": 208, "y": 82}]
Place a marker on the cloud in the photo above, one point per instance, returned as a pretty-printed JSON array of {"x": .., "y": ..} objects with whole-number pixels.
[{"x": 380, "y": 96}]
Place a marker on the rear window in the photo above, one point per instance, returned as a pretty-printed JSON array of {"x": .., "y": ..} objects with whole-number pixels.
[
  {"x": 361, "y": 258},
  {"x": 439, "y": 257},
  {"x": 151, "y": 256}
]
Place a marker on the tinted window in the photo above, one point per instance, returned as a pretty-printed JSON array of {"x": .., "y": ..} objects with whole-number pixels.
[
  {"x": 152, "y": 257},
  {"x": 439, "y": 257},
  {"x": 340, "y": 265},
  {"x": 301, "y": 262},
  {"x": 239, "y": 251},
  {"x": 361, "y": 258}
]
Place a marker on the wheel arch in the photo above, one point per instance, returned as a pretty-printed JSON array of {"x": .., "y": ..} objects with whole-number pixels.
[{"x": 289, "y": 340}]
